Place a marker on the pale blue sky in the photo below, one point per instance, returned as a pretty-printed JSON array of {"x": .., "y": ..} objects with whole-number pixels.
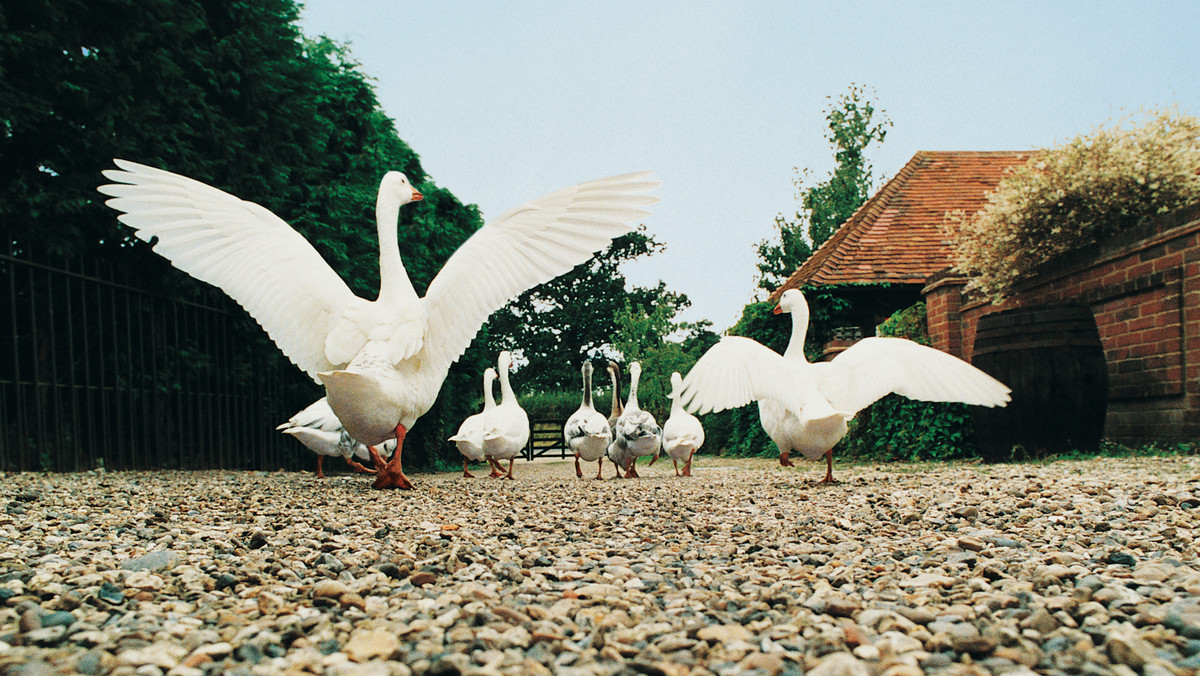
[{"x": 506, "y": 101}]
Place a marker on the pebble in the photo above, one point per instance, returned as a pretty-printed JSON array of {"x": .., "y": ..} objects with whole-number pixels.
[{"x": 1081, "y": 567}]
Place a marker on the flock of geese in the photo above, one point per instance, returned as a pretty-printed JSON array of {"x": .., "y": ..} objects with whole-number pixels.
[{"x": 382, "y": 362}]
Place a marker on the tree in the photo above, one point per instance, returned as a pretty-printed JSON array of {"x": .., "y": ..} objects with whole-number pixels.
[
  {"x": 555, "y": 326},
  {"x": 1081, "y": 192},
  {"x": 852, "y": 126}
]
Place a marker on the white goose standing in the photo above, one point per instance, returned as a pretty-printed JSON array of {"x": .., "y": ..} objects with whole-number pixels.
[
  {"x": 682, "y": 434},
  {"x": 507, "y": 426},
  {"x": 637, "y": 432},
  {"x": 804, "y": 407},
  {"x": 469, "y": 438},
  {"x": 382, "y": 362},
  {"x": 587, "y": 433},
  {"x": 319, "y": 429}
]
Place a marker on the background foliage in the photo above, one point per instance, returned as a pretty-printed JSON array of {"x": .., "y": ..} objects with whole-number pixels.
[
  {"x": 853, "y": 123},
  {"x": 553, "y": 327},
  {"x": 1083, "y": 191},
  {"x": 661, "y": 345}
]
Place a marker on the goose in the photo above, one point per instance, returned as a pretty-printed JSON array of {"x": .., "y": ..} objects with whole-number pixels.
[
  {"x": 319, "y": 429},
  {"x": 682, "y": 434},
  {"x": 507, "y": 426},
  {"x": 382, "y": 362},
  {"x": 614, "y": 374},
  {"x": 804, "y": 407},
  {"x": 469, "y": 438},
  {"x": 637, "y": 432},
  {"x": 587, "y": 433}
]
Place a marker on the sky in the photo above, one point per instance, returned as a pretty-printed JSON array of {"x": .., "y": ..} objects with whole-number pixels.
[{"x": 725, "y": 101}]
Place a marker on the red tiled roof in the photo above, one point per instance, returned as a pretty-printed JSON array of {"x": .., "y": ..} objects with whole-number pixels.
[{"x": 897, "y": 236}]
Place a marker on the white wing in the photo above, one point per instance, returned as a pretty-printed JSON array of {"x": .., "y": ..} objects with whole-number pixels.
[
  {"x": 875, "y": 367},
  {"x": 527, "y": 246},
  {"x": 737, "y": 371},
  {"x": 240, "y": 247}
]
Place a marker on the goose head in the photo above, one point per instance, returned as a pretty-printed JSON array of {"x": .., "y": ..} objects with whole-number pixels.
[
  {"x": 791, "y": 301},
  {"x": 676, "y": 386},
  {"x": 395, "y": 188}
]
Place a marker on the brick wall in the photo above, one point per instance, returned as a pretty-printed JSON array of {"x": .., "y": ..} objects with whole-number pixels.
[{"x": 1144, "y": 289}]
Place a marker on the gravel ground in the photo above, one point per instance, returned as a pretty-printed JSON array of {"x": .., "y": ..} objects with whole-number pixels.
[{"x": 1075, "y": 567}]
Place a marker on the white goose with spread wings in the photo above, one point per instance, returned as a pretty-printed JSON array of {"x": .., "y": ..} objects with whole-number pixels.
[
  {"x": 804, "y": 407},
  {"x": 382, "y": 362}
]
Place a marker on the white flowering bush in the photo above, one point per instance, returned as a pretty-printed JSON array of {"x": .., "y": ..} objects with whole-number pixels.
[{"x": 1068, "y": 197}]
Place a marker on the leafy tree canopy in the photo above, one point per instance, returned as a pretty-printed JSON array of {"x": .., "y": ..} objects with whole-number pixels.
[
  {"x": 661, "y": 345},
  {"x": 853, "y": 123},
  {"x": 555, "y": 326}
]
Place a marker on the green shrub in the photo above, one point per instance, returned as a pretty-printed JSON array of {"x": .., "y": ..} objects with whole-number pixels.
[
  {"x": 558, "y": 405},
  {"x": 1073, "y": 195}
]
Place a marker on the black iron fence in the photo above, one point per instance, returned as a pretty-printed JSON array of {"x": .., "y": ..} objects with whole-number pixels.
[{"x": 97, "y": 372}]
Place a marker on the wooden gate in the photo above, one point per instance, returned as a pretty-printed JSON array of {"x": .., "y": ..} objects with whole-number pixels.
[{"x": 546, "y": 439}]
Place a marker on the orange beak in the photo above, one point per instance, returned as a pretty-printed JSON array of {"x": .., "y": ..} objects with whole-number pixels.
[
  {"x": 417, "y": 197},
  {"x": 778, "y": 310}
]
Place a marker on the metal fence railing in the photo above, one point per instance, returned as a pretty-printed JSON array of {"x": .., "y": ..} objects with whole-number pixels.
[{"x": 97, "y": 372}]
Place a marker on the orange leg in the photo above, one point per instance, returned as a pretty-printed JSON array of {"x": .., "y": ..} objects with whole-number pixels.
[
  {"x": 510, "y": 466},
  {"x": 676, "y": 463},
  {"x": 391, "y": 473},
  {"x": 578, "y": 469},
  {"x": 687, "y": 468},
  {"x": 618, "y": 468},
  {"x": 467, "y": 472},
  {"x": 631, "y": 473},
  {"x": 600, "y": 469},
  {"x": 496, "y": 471},
  {"x": 320, "y": 471},
  {"x": 652, "y": 459},
  {"x": 783, "y": 460},
  {"x": 359, "y": 467},
  {"x": 828, "y": 468}
]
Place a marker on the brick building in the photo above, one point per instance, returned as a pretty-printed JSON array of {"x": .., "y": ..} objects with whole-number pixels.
[{"x": 1143, "y": 287}]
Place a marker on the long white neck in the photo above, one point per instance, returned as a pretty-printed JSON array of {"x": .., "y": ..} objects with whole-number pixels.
[
  {"x": 506, "y": 391},
  {"x": 635, "y": 373},
  {"x": 676, "y": 392},
  {"x": 795, "y": 348},
  {"x": 489, "y": 377},
  {"x": 616, "y": 392},
  {"x": 587, "y": 386},
  {"x": 394, "y": 284}
]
